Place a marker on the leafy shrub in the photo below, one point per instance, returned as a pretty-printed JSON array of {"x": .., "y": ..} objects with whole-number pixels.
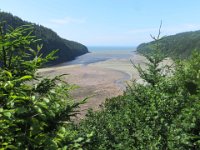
[
  {"x": 162, "y": 114},
  {"x": 34, "y": 111}
]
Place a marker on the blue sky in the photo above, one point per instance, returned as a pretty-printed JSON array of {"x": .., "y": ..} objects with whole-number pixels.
[{"x": 108, "y": 22}]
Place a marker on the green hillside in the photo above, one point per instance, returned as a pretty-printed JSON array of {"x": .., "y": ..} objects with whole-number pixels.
[
  {"x": 68, "y": 50},
  {"x": 179, "y": 45}
]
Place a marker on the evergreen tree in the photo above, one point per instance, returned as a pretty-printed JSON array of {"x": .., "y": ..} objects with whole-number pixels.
[
  {"x": 34, "y": 111},
  {"x": 160, "y": 114}
]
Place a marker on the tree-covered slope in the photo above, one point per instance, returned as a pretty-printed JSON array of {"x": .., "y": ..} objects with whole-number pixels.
[
  {"x": 179, "y": 45},
  {"x": 68, "y": 50}
]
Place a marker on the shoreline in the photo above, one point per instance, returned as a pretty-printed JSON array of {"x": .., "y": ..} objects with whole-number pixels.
[{"x": 98, "y": 81}]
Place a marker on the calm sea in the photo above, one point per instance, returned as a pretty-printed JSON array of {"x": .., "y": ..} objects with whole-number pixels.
[{"x": 98, "y": 54}]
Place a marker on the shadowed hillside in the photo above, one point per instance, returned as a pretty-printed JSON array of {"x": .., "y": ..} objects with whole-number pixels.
[{"x": 68, "y": 50}]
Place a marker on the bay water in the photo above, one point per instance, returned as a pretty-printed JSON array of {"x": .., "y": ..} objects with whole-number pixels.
[{"x": 100, "y": 53}]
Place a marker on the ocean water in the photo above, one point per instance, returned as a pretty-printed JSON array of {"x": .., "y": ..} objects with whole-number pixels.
[{"x": 98, "y": 54}]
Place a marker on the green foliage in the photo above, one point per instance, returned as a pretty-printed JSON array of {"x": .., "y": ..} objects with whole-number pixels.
[
  {"x": 162, "y": 113},
  {"x": 180, "y": 45},
  {"x": 34, "y": 111},
  {"x": 68, "y": 50}
]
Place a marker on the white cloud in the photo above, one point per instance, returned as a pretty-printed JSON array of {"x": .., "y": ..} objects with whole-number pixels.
[
  {"x": 192, "y": 26},
  {"x": 165, "y": 30},
  {"x": 68, "y": 20},
  {"x": 144, "y": 30},
  {"x": 181, "y": 28}
]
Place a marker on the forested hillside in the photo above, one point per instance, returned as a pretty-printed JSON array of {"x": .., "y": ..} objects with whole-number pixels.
[
  {"x": 179, "y": 45},
  {"x": 68, "y": 50}
]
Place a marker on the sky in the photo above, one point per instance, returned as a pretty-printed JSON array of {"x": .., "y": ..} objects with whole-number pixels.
[{"x": 108, "y": 22}]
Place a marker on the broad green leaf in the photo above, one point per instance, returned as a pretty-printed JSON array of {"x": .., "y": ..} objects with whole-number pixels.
[
  {"x": 7, "y": 114},
  {"x": 8, "y": 73},
  {"x": 25, "y": 77},
  {"x": 46, "y": 100}
]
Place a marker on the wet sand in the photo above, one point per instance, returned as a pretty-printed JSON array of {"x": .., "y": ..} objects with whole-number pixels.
[{"x": 97, "y": 81}]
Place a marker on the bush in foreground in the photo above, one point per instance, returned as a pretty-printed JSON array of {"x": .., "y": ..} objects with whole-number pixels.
[
  {"x": 162, "y": 114},
  {"x": 34, "y": 111}
]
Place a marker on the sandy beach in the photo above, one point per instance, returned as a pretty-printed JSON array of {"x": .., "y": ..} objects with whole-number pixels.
[{"x": 97, "y": 81}]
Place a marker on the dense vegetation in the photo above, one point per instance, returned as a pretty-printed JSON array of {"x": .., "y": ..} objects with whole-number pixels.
[
  {"x": 35, "y": 111},
  {"x": 179, "y": 45},
  {"x": 163, "y": 113},
  {"x": 68, "y": 50}
]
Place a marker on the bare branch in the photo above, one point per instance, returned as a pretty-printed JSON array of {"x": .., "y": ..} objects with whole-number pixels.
[{"x": 159, "y": 31}]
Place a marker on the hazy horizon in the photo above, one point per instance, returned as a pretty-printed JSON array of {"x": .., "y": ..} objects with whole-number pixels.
[{"x": 107, "y": 23}]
